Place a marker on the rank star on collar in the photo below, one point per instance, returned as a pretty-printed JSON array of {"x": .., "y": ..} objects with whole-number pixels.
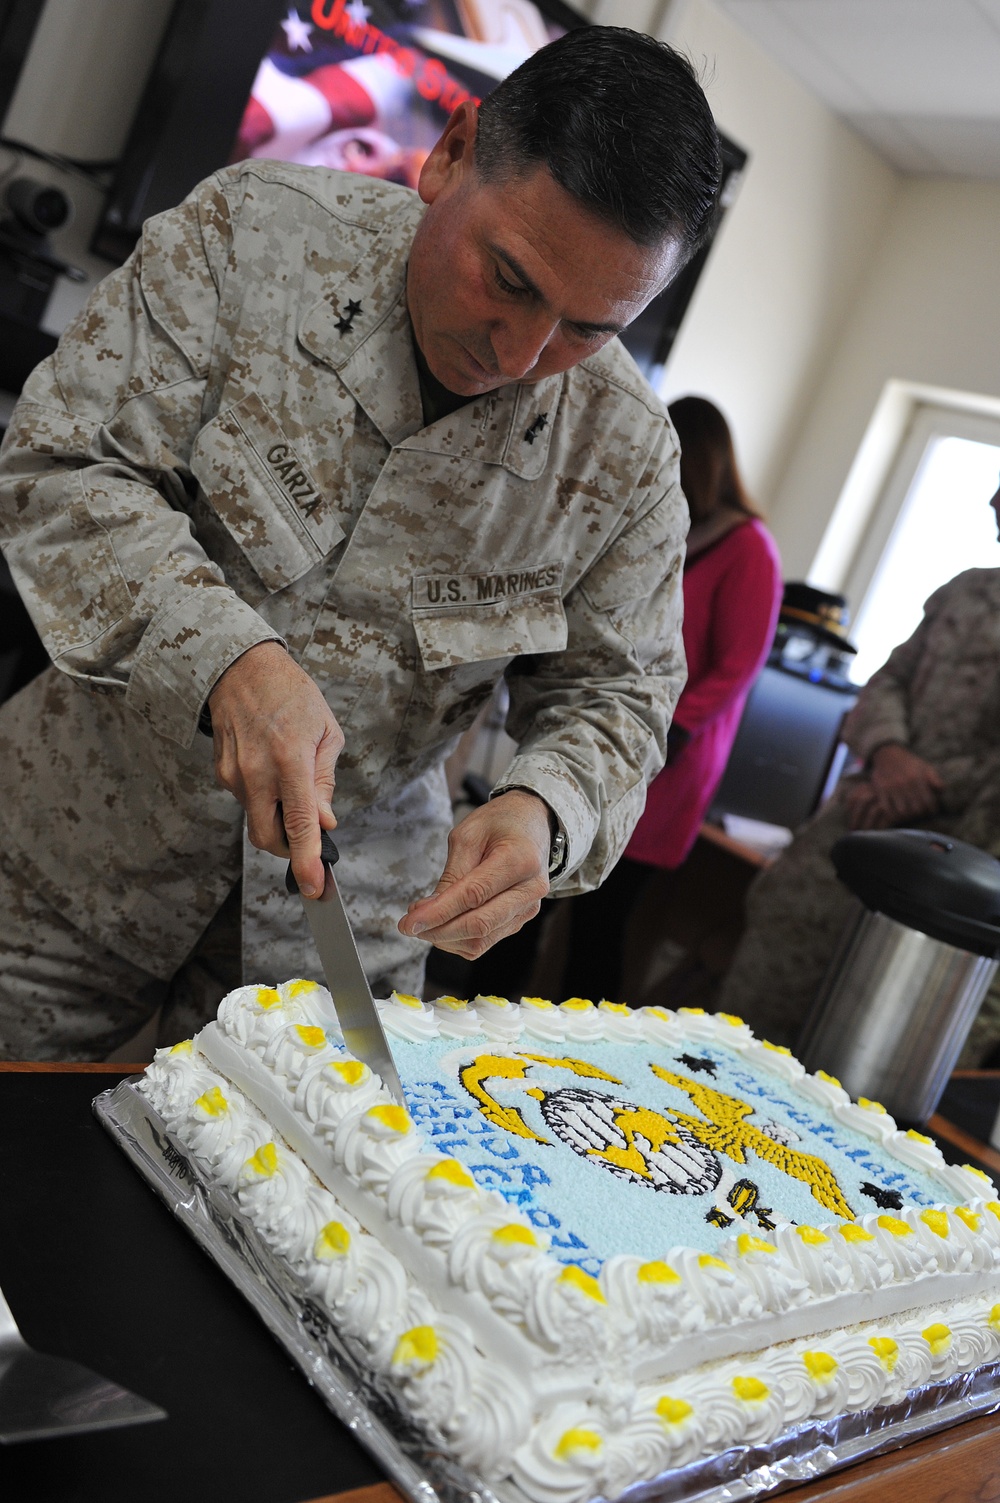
[
  {"x": 350, "y": 313},
  {"x": 536, "y": 427}
]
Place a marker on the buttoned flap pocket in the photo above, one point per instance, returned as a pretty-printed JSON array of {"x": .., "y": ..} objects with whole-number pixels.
[
  {"x": 471, "y": 618},
  {"x": 258, "y": 487}
]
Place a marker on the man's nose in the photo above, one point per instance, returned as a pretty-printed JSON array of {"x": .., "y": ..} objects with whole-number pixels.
[{"x": 518, "y": 343}]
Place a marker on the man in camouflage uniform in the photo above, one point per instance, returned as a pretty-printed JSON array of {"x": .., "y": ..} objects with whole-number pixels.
[
  {"x": 311, "y": 471},
  {"x": 927, "y": 726}
]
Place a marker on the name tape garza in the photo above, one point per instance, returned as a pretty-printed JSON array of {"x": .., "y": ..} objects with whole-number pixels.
[
  {"x": 483, "y": 589},
  {"x": 293, "y": 478}
]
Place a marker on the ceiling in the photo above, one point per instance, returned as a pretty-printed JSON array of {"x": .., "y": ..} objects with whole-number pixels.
[{"x": 919, "y": 79}]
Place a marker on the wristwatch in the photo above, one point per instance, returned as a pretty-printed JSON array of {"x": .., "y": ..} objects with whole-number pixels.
[{"x": 557, "y": 853}]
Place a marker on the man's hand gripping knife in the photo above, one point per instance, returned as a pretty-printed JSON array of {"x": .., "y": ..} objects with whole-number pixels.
[{"x": 276, "y": 749}]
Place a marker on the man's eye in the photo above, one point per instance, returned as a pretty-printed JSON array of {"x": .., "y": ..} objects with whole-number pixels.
[{"x": 503, "y": 283}]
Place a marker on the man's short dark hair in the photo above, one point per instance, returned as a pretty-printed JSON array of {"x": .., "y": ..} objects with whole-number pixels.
[{"x": 620, "y": 121}]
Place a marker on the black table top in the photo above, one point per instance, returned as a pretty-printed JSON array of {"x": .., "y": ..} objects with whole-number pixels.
[{"x": 95, "y": 1267}]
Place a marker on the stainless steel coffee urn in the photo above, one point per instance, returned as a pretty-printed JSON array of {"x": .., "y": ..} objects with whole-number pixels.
[{"x": 911, "y": 969}]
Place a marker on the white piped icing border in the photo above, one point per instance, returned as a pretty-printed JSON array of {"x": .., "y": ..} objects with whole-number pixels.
[{"x": 588, "y": 1384}]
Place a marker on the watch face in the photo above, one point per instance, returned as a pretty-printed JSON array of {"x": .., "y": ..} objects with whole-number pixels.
[{"x": 557, "y": 852}]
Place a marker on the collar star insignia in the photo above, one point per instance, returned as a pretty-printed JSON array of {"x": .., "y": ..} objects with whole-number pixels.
[
  {"x": 536, "y": 427},
  {"x": 346, "y": 320}
]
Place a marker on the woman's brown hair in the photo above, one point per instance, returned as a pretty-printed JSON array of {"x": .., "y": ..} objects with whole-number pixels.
[{"x": 709, "y": 474}]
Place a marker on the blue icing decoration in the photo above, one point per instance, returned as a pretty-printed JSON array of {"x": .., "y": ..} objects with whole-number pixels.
[{"x": 636, "y": 1162}]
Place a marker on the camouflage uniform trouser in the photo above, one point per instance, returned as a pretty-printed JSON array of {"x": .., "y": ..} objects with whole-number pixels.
[
  {"x": 796, "y": 911},
  {"x": 64, "y": 996}
]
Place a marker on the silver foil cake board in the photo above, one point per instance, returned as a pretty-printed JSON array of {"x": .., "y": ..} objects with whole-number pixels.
[{"x": 421, "y": 1469}]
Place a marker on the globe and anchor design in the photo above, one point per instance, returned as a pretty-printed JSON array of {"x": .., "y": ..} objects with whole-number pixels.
[{"x": 634, "y": 1142}]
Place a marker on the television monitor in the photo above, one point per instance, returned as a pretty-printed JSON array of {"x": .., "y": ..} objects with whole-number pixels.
[
  {"x": 787, "y": 750},
  {"x": 365, "y": 85}
]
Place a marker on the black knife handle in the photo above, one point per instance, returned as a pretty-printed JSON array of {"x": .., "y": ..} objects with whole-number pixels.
[{"x": 329, "y": 855}]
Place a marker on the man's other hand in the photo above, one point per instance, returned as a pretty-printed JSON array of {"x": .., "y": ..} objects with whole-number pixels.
[
  {"x": 276, "y": 748},
  {"x": 864, "y": 812},
  {"x": 494, "y": 880},
  {"x": 899, "y": 787},
  {"x": 907, "y": 787}
]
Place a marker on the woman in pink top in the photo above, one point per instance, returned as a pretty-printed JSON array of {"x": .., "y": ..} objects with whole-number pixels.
[{"x": 732, "y": 592}]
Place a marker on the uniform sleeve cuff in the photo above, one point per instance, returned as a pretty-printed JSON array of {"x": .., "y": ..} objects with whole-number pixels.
[
  {"x": 573, "y": 812},
  {"x": 866, "y": 740},
  {"x": 185, "y": 650}
]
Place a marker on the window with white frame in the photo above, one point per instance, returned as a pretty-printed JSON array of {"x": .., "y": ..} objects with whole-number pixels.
[{"x": 932, "y": 521}]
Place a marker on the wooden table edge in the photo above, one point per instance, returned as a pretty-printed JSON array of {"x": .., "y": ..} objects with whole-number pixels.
[
  {"x": 716, "y": 836},
  {"x": 983, "y": 1153},
  {"x": 379, "y": 1492},
  {"x": 43, "y": 1067}
]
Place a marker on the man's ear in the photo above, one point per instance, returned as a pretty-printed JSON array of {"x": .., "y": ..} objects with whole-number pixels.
[{"x": 452, "y": 156}]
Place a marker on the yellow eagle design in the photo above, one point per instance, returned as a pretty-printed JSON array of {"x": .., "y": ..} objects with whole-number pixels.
[{"x": 727, "y": 1132}]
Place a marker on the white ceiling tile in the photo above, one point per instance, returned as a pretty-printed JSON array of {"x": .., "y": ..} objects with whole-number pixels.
[
  {"x": 962, "y": 148},
  {"x": 799, "y": 49},
  {"x": 907, "y": 144},
  {"x": 928, "y": 70}
]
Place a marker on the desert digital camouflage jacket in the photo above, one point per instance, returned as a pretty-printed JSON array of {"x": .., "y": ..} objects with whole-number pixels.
[
  {"x": 939, "y": 694},
  {"x": 228, "y": 447}
]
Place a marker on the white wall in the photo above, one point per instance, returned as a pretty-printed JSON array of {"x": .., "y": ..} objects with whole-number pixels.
[
  {"x": 787, "y": 263},
  {"x": 82, "y": 80},
  {"x": 928, "y": 313}
]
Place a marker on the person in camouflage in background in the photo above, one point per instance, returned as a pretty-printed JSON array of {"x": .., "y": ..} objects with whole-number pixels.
[
  {"x": 927, "y": 727},
  {"x": 310, "y": 472}
]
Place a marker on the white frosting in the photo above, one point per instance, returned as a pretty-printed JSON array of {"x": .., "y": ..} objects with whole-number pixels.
[
  {"x": 408, "y": 1018},
  {"x": 873, "y": 1121},
  {"x": 529, "y": 1368},
  {"x": 499, "y": 1019},
  {"x": 816, "y": 1256},
  {"x": 584, "y": 1022},
  {"x": 455, "y": 1018},
  {"x": 917, "y": 1150},
  {"x": 546, "y": 1020},
  {"x": 777, "y": 1281},
  {"x": 663, "y": 1305},
  {"x": 765, "y": 1056}
]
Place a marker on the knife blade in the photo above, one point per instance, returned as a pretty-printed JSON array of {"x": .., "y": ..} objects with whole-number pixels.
[{"x": 344, "y": 973}]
